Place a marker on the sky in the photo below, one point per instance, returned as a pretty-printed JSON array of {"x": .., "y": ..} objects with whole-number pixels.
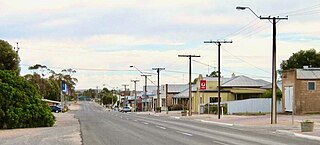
[{"x": 100, "y": 39}]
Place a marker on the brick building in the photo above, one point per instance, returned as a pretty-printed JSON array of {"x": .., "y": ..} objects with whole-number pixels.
[{"x": 301, "y": 90}]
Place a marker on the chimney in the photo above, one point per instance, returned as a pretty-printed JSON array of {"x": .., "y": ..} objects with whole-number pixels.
[{"x": 233, "y": 75}]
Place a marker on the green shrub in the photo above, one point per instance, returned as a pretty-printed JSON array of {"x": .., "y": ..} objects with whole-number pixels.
[
  {"x": 20, "y": 104},
  {"x": 213, "y": 108},
  {"x": 158, "y": 109},
  {"x": 177, "y": 107}
]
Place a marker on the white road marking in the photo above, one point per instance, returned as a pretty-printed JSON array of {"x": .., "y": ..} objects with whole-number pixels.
[
  {"x": 120, "y": 116},
  {"x": 161, "y": 127},
  {"x": 219, "y": 142},
  {"x": 127, "y": 118},
  {"x": 184, "y": 133},
  {"x": 145, "y": 123},
  {"x": 135, "y": 120},
  {"x": 219, "y": 123}
]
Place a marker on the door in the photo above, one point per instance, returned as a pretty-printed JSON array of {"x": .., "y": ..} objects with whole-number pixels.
[{"x": 288, "y": 98}]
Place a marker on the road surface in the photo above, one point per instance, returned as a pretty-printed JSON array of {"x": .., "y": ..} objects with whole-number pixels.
[{"x": 101, "y": 127}]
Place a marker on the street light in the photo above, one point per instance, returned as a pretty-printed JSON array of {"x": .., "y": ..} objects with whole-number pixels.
[
  {"x": 243, "y": 8},
  {"x": 274, "y": 50}
]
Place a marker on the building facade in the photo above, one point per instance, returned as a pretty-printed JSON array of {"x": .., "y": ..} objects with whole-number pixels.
[{"x": 301, "y": 90}]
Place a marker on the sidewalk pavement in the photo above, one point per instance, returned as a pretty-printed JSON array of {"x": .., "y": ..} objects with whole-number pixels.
[
  {"x": 284, "y": 122},
  {"x": 66, "y": 131}
]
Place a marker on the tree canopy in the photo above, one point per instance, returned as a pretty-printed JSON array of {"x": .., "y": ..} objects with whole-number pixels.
[
  {"x": 9, "y": 59},
  {"x": 302, "y": 58},
  {"x": 48, "y": 82},
  {"x": 20, "y": 103}
]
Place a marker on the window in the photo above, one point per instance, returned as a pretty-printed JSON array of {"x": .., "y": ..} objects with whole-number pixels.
[
  {"x": 213, "y": 99},
  {"x": 311, "y": 86}
]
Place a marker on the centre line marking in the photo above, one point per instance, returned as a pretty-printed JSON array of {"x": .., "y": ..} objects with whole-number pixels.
[
  {"x": 135, "y": 120},
  {"x": 145, "y": 123},
  {"x": 184, "y": 133},
  {"x": 161, "y": 127}
]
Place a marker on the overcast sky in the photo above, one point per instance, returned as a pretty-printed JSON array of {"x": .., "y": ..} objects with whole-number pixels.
[{"x": 100, "y": 39}]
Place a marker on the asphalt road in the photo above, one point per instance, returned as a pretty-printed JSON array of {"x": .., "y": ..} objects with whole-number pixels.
[{"x": 101, "y": 127}]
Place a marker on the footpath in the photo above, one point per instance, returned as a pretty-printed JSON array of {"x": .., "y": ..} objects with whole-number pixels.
[
  {"x": 66, "y": 131},
  {"x": 284, "y": 122}
]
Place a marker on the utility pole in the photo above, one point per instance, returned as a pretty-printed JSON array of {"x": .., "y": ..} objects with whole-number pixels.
[
  {"x": 158, "y": 86},
  {"x": 219, "y": 72},
  {"x": 145, "y": 85},
  {"x": 274, "y": 21},
  {"x": 17, "y": 48},
  {"x": 190, "y": 96},
  {"x": 135, "y": 94},
  {"x": 125, "y": 92}
]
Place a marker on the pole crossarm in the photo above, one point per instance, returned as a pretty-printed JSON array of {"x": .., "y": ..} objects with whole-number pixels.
[
  {"x": 218, "y": 41},
  {"x": 188, "y": 55}
]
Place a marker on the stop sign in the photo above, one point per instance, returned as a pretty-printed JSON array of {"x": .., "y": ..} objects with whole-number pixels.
[{"x": 203, "y": 84}]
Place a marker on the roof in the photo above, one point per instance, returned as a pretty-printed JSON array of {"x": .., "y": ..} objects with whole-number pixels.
[
  {"x": 269, "y": 85},
  {"x": 175, "y": 88},
  {"x": 222, "y": 79},
  {"x": 185, "y": 93},
  {"x": 243, "y": 81},
  {"x": 308, "y": 73}
]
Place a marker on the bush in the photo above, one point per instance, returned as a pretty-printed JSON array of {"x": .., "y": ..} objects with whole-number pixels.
[
  {"x": 158, "y": 109},
  {"x": 20, "y": 104},
  {"x": 177, "y": 107},
  {"x": 213, "y": 108}
]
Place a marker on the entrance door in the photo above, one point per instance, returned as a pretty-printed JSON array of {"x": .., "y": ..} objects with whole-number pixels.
[{"x": 288, "y": 98}]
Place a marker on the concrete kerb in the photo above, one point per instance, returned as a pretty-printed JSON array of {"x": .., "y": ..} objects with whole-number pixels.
[{"x": 286, "y": 132}]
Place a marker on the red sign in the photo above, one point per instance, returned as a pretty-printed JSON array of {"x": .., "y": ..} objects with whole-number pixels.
[{"x": 203, "y": 84}]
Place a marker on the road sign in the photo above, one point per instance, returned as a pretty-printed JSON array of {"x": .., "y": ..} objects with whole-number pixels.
[
  {"x": 64, "y": 87},
  {"x": 203, "y": 84}
]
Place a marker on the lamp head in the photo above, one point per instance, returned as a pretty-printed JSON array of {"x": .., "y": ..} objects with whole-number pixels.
[
  {"x": 131, "y": 65},
  {"x": 241, "y": 8}
]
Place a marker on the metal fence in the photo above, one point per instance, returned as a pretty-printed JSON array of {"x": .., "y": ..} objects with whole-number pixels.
[{"x": 255, "y": 105}]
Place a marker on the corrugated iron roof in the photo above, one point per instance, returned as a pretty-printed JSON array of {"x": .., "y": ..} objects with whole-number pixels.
[
  {"x": 174, "y": 88},
  {"x": 243, "y": 81},
  {"x": 185, "y": 93},
  {"x": 309, "y": 73}
]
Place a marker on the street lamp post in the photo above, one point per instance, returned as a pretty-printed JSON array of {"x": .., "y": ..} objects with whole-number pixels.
[{"x": 274, "y": 50}]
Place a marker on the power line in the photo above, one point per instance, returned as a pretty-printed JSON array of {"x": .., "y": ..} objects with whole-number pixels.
[{"x": 246, "y": 61}]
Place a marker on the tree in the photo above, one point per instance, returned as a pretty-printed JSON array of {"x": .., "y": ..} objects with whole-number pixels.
[
  {"x": 214, "y": 74},
  {"x": 89, "y": 93},
  {"x": 48, "y": 88},
  {"x": 20, "y": 103},
  {"x": 9, "y": 59},
  {"x": 268, "y": 94},
  {"x": 107, "y": 96},
  {"x": 302, "y": 58}
]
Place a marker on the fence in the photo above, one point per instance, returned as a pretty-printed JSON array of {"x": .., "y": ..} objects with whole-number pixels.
[{"x": 252, "y": 106}]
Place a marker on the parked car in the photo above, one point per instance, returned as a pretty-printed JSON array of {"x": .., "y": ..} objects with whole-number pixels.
[
  {"x": 56, "y": 109},
  {"x": 126, "y": 109}
]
